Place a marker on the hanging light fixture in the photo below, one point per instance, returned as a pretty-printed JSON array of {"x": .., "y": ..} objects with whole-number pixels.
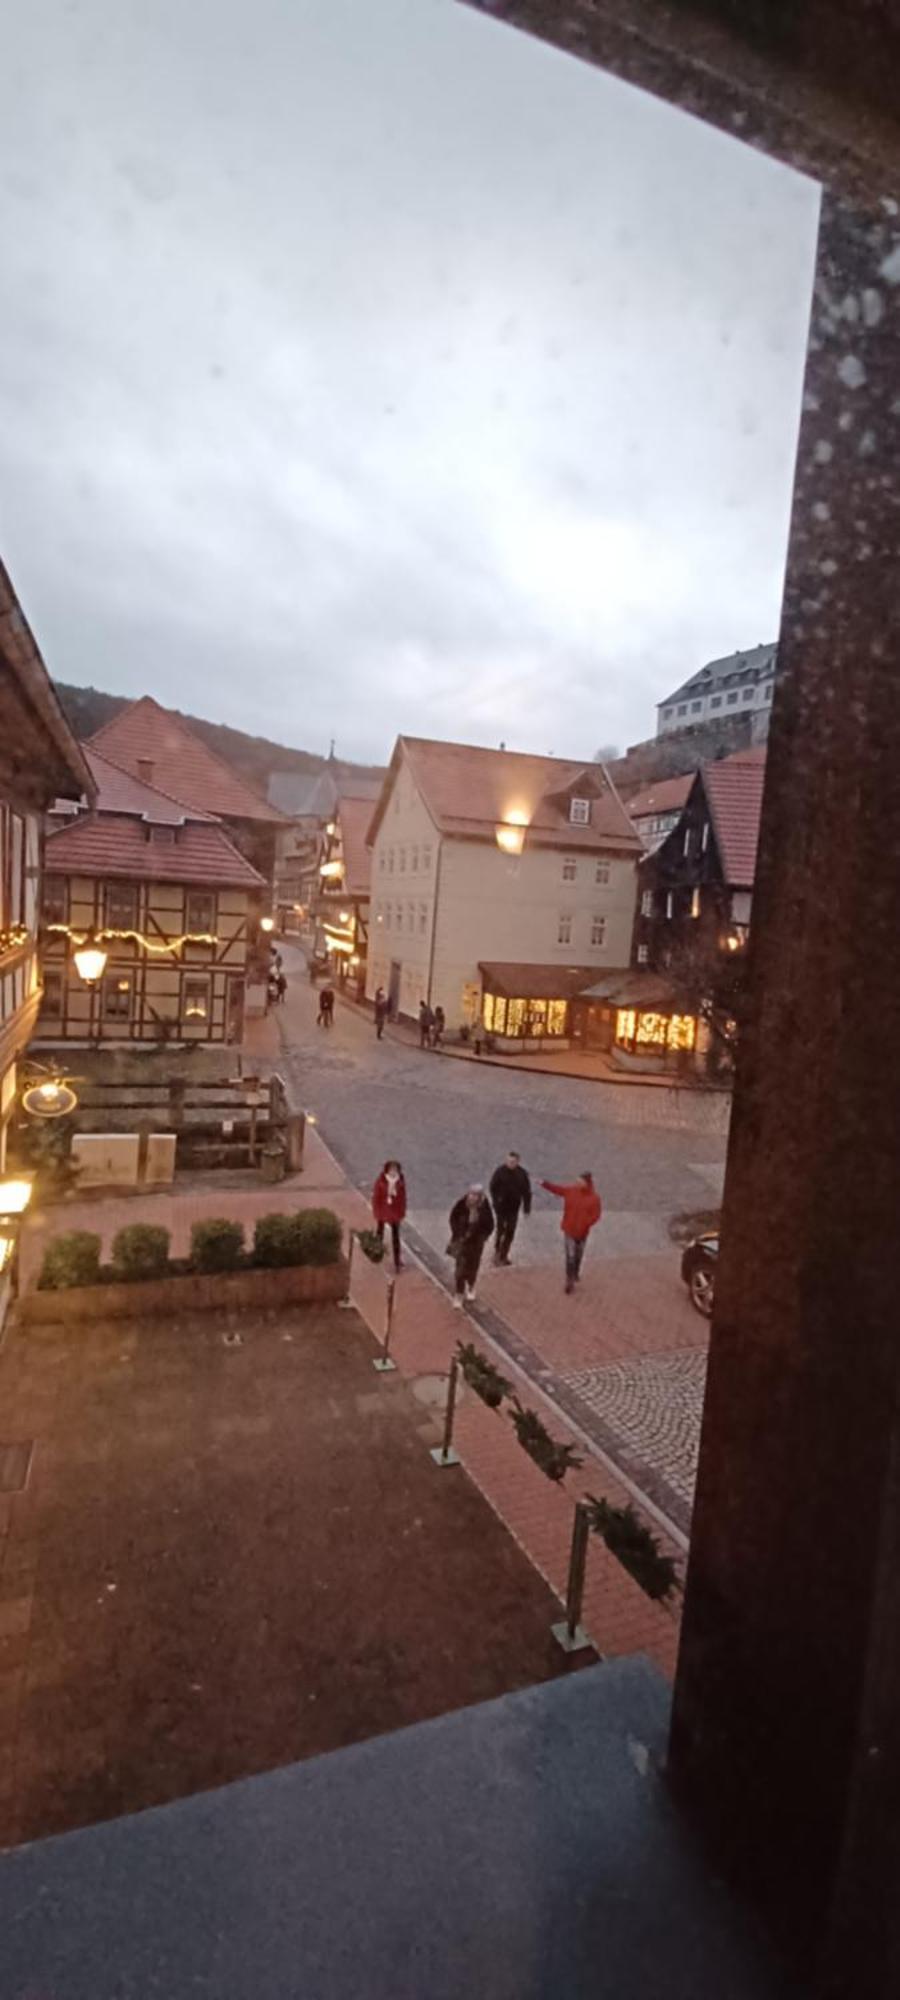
[
  {"x": 90, "y": 959},
  {"x": 48, "y": 1095},
  {"x": 15, "y": 1195}
]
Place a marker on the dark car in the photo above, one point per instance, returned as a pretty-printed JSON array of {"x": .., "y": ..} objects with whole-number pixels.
[{"x": 698, "y": 1269}]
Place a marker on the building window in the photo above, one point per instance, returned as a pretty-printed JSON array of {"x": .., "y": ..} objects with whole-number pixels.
[
  {"x": 647, "y": 903},
  {"x": 580, "y": 812},
  {"x": 118, "y": 992},
  {"x": 56, "y": 899},
  {"x": 121, "y": 906},
  {"x": 564, "y": 930},
  {"x": 767, "y": 694},
  {"x": 682, "y": 708},
  {"x": 715, "y": 701},
  {"x": 387, "y": 916},
  {"x": 695, "y": 903},
  {"x": 398, "y": 916},
  {"x": 401, "y": 860},
  {"x": 704, "y": 837},
  {"x": 668, "y": 714},
  {"x": 195, "y": 1001},
  {"x": 51, "y": 998},
  {"x": 687, "y": 840},
  {"x": 670, "y": 904},
  {"x": 643, "y": 953},
  {"x": 200, "y": 912},
  {"x": 601, "y": 874},
  {"x": 423, "y": 919},
  {"x": 410, "y": 918},
  {"x": 696, "y": 707},
  {"x": 426, "y": 859},
  {"x": 731, "y": 699},
  {"x": 570, "y": 868},
  {"x": 598, "y": 930},
  {"x": 414, "y": 861},
  {"x": 390, "y": 861},
  {"x": 381, "y": 861}
]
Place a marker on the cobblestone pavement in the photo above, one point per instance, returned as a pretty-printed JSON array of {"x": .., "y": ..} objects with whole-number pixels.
[
  {"x": 450, "y": 1122},
  {"x": 653, "y": 1405}
]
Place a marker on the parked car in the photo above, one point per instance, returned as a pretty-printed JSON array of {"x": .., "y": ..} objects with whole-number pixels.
[{"x": 698, "y": 1269}]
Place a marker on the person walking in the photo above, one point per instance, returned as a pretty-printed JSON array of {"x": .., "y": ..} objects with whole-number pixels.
[
  {"x": 426, "y": 1023},
  {"x": 510, "y": 1191},
  {"x": 280, "y": 984},
  {"x": 471, "y": 1226},
  {"x": 325, "y": 1016},
  {"x": 381, "y": 1012},
  {"x": 438, "y": 1025},
  {"x": 389, "y": 1206},
  {"x": 582, "y": 1208}
]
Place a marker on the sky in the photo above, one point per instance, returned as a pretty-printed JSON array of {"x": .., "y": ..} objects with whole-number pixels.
[{"x": 373, "y": 367}]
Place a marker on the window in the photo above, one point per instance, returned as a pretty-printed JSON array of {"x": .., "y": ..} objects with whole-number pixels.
[
  {"x": 51, "y": 998},
  {"x": 696, "y": 707},
  {"x": 121, "y": 906},
  {"x": 410, "y": 918},
  {"x": 670, "y": 904},
  {"x": 118, "y": 991},
  {"x": 401, "y": 860},
  {"x": 381, "y": 861},
  {"x": 564, "y": 930},
  {"x": 423, "y": 919},
  {"x": 601, "y": 874},
  {"x": 580, "y": 812},
  {"x": 598, "y": 930},
  {"x": 414, "y": 861},
  {"x": 557, "y": 1011},
  {"x": 695, "y": 903},
  {"x": 426, "y": 859},
  {"x": 716, "y": 701},
  {"x": 647, "y": 903},
  {"x": 668, "y": 714},
  {"x": 643, "y": 954},
  {"x": 767, "y": 693},
  {"x": 387, "y": 916},
  {"x": 56, "y": 899},
  {"x": 390, "y": 861},
  {"x": 732, "y": 698},
  {"x": 195, "y": 1002},
  {"x": 200, "y": 912},
  {"x": 687, "y": 840},
  {"x": 682, "y": 708},
  {"x": 570, "y": 868},
  {"x": 704, "y": 837},
  {"x": 398, "y": 916}
]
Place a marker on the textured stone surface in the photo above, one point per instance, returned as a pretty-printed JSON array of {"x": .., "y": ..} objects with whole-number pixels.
[{"x": 652, "y": 1406}]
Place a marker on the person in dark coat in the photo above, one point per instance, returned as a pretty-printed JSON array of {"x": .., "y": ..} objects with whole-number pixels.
[
  {"x": 510, "y": 1192},
  {"x": 471, "y": 1226},
  {"x": 426, "y": 1023},
  {"x": 437, "y": 1027},
  {"x": 389, "y": 1206},
  {"x": 381, "y": 1011},
  {"x": 325, "y": 1016}
]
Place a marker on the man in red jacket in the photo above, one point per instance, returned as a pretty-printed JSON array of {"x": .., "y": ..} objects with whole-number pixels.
[{"x": 581, "y": 1209}]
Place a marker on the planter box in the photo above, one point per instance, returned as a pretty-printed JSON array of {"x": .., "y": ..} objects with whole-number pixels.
[{"x": 156, "y": 1298}]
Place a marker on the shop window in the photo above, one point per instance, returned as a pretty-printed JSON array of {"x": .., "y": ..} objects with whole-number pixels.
[
  {"x": 56, "y": 899},
  {"x": 499, "y": 1015},
  {"x": 537, "y": 1017},
  {"x": 682, "y": 1032},
  {"x": 564, "y": 930},
  {"x": 601, "y": 874},
  {"x": 487, "y": 1011},
  {"x": 556, "y": 1017},
  {"x": 118, "y": 994},
  {"x": 121, "y": 906},
  {"x": 515, "y": 1017},
  {"x": 569, "y": 868},
  {"x": 580, "y": 812},
  {"x": 200, "y": 912},
  {"x": 195, "y": 1002},
  {"x": 598, "y": 930}
]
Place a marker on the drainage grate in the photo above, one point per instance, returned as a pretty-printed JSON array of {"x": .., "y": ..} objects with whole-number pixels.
[{"x": 15, "y": 1460}]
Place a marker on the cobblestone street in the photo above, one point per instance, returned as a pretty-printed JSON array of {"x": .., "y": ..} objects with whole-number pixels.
[{"x": 625, "y": 1356}]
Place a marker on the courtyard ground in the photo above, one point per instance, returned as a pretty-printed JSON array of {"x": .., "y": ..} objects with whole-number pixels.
[{"x": 228, "y": 1555}]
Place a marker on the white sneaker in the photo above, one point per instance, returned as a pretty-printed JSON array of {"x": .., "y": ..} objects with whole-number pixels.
[
  {"x": 457, "y": 1303},
  {"x": 471, "y": 1296}
]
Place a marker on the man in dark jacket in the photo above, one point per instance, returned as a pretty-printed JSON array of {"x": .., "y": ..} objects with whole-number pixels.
[
  {"x": 510, "y": 1191},
  {"x": 471, "y": 1224}
]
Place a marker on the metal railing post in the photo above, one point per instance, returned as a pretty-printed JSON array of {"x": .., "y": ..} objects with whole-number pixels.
[
  {"x": 570, "y": 1634},
  {"x": 383, "y": 1362},
  {"x": 444, "y": 1454},
  {"x": 345, "y": 1304}
]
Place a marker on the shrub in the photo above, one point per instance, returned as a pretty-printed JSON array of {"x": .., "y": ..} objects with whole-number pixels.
[
  {"x": 141, "y": 1250},
  {"x": 318, "y": 1236},
  {"x": 481, "y": 1375},
  {"x": 554, "y": 1459},
  {"x": 274, "y": 1240},
  {"x": 217, "y": 1245},
  {"x": 70, "y": 1260},
  {"x": 635, "y": 1548}
]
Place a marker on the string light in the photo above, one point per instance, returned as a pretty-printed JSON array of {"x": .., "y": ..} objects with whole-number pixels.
[
  {"x": 14, "y": 938},
  {"x": 149, "y": 944}
]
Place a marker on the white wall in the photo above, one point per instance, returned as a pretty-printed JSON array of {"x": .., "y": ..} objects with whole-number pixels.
[{"x": 404, "y": 873}]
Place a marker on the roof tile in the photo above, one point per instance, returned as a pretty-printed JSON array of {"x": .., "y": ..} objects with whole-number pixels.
[
  {"x": 469, "y": 790},
  {"x": 112, "y": 844},
  {"x": 181, "y": 764}
]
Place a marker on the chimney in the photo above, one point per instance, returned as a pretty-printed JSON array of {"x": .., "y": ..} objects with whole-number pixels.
[{"x": 145, "y": 769}]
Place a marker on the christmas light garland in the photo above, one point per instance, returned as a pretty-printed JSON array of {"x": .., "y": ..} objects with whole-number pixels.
[{"x": 148, "y": 944}]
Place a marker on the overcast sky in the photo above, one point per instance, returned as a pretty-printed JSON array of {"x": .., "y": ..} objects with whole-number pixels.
[{"x": 366, "y": 366}]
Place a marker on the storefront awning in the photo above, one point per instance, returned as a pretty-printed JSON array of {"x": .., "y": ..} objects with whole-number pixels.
[{"x": 535, "y": 982}]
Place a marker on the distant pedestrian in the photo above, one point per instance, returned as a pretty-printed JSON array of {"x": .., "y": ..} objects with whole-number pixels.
[
  {"x": 582, "y": 1208},
  {"x": 471, "y": 1226},
  {"x": 325, "y": 1016},
  {"x": 381, "y": 1009},
  {"x": 313, "y": 972},
  {"x": 389, "y": 1206},
  {"x": 271, "y": 989},
  {"x": 437, "y": 1029},
  {"x": 426, "y": 1023},
  {"x": 510, "y": 1191},
  {"x": 280, "y": 984}
]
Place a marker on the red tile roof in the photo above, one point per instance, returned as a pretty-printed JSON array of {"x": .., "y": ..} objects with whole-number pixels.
[
  {"x": 182, "y": 766},
  {"x": 734, "y": 790},
  {"x": 112, "y": 844},
  {"x": 667, "y": 795},
  {"x": 118, "y": 791},
  {"x": 355, "y": 818},
  {"x": 469, "y": 791}
]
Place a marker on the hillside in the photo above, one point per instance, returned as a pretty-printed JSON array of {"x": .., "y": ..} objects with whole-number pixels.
[{"x": 256, "y": 757}]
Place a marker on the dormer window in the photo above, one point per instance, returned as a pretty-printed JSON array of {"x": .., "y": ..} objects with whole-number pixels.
[{"x": 580, "y": 812}]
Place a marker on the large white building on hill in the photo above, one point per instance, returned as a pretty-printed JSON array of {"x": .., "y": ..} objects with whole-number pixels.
[{"x": 740, "y": 684}]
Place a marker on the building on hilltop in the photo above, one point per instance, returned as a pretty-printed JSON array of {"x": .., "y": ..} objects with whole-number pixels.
[
  {"x": 501, "y": 882},
  {"x": 172, "y": 902},
  {"x": 740, "y": 684}
]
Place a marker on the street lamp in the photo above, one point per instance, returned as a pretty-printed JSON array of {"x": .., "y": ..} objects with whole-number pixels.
[
  {"x": 52, "y": 1098},
  {"x": 90, "y": 959},
  {"x": 267, "y": 924}
]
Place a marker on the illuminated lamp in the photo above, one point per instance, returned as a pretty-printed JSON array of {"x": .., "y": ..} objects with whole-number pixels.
[
  {"x": 331, "y": 829},
  {"x": 267, "y": 924},
  {"x": 510, "y": 833},
  {"x": 332, "y": 869},
  {"x": 15, "y": 1196},
  {"x": 7, "y": 1246},
  {"x": 90, "y": 959},
  {"x": 53, "y": 1098},
  {"x": 345, "y": 917}
]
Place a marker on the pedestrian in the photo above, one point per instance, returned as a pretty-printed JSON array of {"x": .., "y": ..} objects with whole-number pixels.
[
  {"x": 313, "y": 972},
  {"x": 325, "y": 1016},
  {"x": 471, "y": 1226},
  {"x": 381, "y": 1011},
  {"x": 280, "y": 984},
  {"x": 271, "y": 989},
  {"x": 582, "y": 1208},
  {"x": 438, "y": 1025},
  {"x": 426, "y": 1023},
  {"x": 389, "y": 1206},
  {"x": 510, "y": 1192}
]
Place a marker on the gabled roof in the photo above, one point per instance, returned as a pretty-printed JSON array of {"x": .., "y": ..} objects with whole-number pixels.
[
  {"x": 756, "y": 660},
  {"x": 734, "y": 791},
  {"x": 469, "y": 791},
  {"x": 354, "y": 816},
  {"x": 303, "y": 794},
  {"x": 181, "y": 764},
  {"x": 112, "y": 844},
  {"x": 67, "y": 772},
  {"x": 118, "y": 791},
  {"x": 668, "y": 795}
]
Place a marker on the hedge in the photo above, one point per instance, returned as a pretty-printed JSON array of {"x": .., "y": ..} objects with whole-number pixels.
[
  {"x": 73, "y": 1259},
  {"x": 217, "y": 1245}
]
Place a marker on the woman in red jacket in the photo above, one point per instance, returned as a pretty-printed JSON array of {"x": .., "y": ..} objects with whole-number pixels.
[
  {"x": 389, "y": 1205},
  {"x": 581, "y": 1209}
]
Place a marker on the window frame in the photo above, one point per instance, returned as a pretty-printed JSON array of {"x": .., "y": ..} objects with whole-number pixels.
[
  {"x": 210, "y": 897},
  {"x": 113, "y": 889},
  {"x": 193, "y": 978},
  {"x": 113, "y": 991},
  {"x": 579, "y": 812},
  {"x": 598, "y": 923},
  {"x": 564, "y": 923},
  {"x": 570, "y": 868}
]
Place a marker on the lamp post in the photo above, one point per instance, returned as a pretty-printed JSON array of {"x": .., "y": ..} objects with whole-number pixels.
[
  {"x": 15, "y": 1195},
  {"x": 89, "y": 958}
]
